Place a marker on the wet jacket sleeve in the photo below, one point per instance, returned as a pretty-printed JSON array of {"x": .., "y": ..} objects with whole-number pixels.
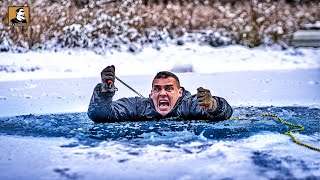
[
  {"x": 223, "y": 110},
  {"x": 103, "y": 109},
  {"x": 190, "y": 109}
]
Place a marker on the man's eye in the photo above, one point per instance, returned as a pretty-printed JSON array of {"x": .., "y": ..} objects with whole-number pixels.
[
  {"x": 169, "y": 88},
  {"x": 156, "y": 88}
]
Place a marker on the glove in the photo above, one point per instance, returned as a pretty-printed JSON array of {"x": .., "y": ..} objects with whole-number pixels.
[
  {"x": 205, "y": 100},
  {"x": 107, "y": 79}
]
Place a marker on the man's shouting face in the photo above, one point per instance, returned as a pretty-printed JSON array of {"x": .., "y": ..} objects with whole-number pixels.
[{"x": 164, "y": 94}]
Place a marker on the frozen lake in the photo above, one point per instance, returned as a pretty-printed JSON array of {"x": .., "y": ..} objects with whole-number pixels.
[
  {"x": 252, "y": 88},
  {"x": 46, "y": 134}
]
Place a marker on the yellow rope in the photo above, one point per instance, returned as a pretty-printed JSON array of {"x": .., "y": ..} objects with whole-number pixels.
[
  {"x": 234, "y": 118},
  {"x": 289, "y": 133}
]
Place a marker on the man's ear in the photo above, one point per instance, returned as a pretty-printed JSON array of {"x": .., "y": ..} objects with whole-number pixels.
[{"x": 180, "y": 92}]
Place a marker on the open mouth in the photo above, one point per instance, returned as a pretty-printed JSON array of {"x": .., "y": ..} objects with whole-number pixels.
[{"x": 164, "y": 105}]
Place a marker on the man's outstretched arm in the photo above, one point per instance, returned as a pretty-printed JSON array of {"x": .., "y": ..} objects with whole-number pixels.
[
  {"x": 223, "y": 110},
  {"x": 100, "y": 105},
  {"x": 103, "y": 109}
]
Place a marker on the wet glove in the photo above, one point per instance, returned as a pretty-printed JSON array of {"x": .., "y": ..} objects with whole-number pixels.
[
  {"x": 107, "y": 78},
  {"x": 205, "y": 100}
]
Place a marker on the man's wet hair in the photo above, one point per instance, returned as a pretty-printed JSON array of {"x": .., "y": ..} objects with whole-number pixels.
[{"x": 164, "y": 75}]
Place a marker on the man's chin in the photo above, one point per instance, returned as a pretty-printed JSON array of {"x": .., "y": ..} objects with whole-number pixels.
[{"x": 163, "y": 113}]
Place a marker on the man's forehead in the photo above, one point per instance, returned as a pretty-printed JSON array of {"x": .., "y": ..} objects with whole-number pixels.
[{"x": 164, "y": 81}]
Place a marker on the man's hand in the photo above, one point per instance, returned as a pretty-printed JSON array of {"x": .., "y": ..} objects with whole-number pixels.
[
  {"x": 205, "y": 99},
  {"x": 107, "y": 79}
]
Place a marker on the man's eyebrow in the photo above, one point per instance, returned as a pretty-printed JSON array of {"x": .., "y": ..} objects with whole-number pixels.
[
  {"x": 169, "y": 85},
  {"x": 163, "y": 85}
]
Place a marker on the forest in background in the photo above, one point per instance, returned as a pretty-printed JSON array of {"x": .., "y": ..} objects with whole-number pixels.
[{"x": 114, "y": 24}]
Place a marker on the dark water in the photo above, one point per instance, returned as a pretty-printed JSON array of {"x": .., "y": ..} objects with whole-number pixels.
[{"x": 167, "y": 131}]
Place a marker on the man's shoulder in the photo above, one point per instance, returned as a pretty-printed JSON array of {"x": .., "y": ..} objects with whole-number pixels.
[
  {"x": 14, "y": 20},
  {"x": 185, "y": 93},
  {"x": 135, "y": 99}
]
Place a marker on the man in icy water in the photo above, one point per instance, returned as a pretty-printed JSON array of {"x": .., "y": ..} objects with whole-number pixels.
[{"x": 167, "y": 100}]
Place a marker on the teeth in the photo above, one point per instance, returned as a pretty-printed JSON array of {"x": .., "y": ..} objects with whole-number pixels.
[{"x": 164, "y": 103}]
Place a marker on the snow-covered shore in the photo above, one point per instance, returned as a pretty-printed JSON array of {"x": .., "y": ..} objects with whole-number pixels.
[{"x": 78, "y": 63}]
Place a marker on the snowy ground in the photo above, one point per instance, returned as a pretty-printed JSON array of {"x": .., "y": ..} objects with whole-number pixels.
[
  {"x": 192, "y": 57},
  {"x": 51, "y": 147}
]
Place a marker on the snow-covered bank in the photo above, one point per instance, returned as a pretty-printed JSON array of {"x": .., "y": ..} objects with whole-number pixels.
[{"x": 190, "y": 57}]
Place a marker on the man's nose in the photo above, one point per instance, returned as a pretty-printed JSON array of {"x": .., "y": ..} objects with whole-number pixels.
[{"x": 163, "y": 92}]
